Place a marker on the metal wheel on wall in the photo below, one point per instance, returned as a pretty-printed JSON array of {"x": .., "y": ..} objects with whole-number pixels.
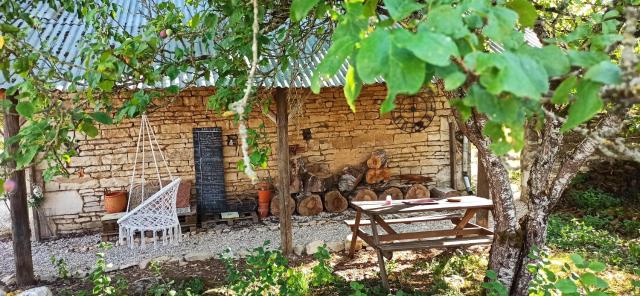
[{"x": 413, "y": 113}]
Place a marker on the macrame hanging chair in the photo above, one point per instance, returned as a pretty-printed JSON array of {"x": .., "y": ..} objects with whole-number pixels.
[{"x": 149, "y": 212}]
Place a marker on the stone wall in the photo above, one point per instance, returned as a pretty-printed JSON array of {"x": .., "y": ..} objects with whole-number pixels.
[{"x": 339, "y": 137}]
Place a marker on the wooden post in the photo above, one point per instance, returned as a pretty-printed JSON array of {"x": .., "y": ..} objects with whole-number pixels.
[
  {"x": 452, "y": 155},
  {"x": 282, "y": 118},
  {"x": 21, "y": 234},
  {"x": 482, "y": 188}
]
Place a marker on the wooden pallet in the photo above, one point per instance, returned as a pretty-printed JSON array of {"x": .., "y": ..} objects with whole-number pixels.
[
  {"x": 212, "y": 221},
  {"x": 110, "y": 229}
]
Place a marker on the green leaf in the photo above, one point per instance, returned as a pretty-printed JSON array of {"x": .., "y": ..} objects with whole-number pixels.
[
  {"x": 596, "y": 266},
  {"x": 500, "y": 24},
  {"x": 352, "y": 88},
  {"x": 561, "y": 95},
  {"x": 343, "y": 41},
  {"x": 578, "y": 260},
  {"x": 402, "y": 71},
  {"x": 430, "y": 47},
  {"x": 527, "y": 13},
  {"x": 587, "y": 104},
  {"x": 25, "y": 109},
  {"x": 517, "y": 74},
  {"x": 372, "y": 58},
  {"x": 399, "y": 9},
  {"x": 586, "y": 59},
  {"x": 452, "y": 76},
  {"x": 300, "y": 8},
  {"x": 556, "y": 66},
  {"x": 90, "y": 130},
  {"x": 604, "y": 72},
  {"x": 588, "y": 279},
  {"x": 447, "y": 20},
  {"x": 101, "y": 117},
  {"x": 25, "y": 158},
  {"x": 566, "y": 286}
]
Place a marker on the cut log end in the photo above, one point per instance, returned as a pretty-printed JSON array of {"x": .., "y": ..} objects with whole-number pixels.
[
  {"x": 275, "y": 205},
  {"x": 395, "y": 193},
  {"x": 334, "y": 202},
  {"x": 310, "y": 205},
  {"x": 417, "y": 191},
  {"x": 377, "y": 160},
  {"x": 365, "y": 195}
]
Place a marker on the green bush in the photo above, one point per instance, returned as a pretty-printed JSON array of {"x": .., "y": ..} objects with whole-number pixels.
[
  {"x": 579, "y": 278},
  {"x": 569, "y": 233},
  {"x": 267, "y": 272},
  {"x": 580, "y": 235},
  {"x": 594, "y": 200}
]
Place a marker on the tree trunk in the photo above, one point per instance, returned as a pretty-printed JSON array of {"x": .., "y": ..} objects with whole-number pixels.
[
  {"x": 309, "y": 205},
  {"x": 21, "y": 234},
  {"x": 334, "y": 202},
  {"x": 275, "y": 205}
]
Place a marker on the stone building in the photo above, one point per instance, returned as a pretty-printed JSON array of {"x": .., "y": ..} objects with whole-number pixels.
[{"x": 338, "y": 137}]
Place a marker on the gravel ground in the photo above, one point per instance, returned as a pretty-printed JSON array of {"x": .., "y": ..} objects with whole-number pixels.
[{"x": 79, "y": 252}]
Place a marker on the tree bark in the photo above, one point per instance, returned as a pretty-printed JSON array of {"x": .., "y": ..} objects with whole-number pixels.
[
  {"x": 286, "y": 234},
  {"x": 21, "y": 234}
]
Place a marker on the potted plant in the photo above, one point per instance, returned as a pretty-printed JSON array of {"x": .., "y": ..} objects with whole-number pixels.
[
  {"x": 115, "y": 201},
  {"x": 264, "y": 196}
]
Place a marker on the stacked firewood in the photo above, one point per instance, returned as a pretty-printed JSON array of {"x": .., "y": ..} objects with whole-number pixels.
[{"x": 315, "y": 189}]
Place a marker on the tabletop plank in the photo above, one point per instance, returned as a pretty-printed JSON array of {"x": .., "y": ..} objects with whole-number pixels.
[{"x": 397, "y": 206}]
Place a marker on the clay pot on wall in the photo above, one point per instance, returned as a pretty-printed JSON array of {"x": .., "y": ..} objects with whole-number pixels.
[
  {"x": 115, "y": 201},
  {"x": 264, "y": 198}
]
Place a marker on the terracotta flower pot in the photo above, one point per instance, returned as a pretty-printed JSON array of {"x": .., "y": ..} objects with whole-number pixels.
[
  {"x": 115, "y": 201},
  {"x": 264, "y": 202}
]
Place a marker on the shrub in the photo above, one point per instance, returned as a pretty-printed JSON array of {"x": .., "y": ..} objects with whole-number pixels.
[
  {"x": 62, "y": 269},
  {"x": 266, "y": 273},
  {"x": 574, "y": 234},
  {"x": 594, "y": 200},
  {"x": 579, "y": 278},
  {"x": 322, "y": 273}
]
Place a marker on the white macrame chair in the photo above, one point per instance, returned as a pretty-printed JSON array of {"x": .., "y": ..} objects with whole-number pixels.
[{"x": 158, "y": 212}]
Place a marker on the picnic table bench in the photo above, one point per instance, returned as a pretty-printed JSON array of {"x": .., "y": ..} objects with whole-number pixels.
[{"x": 463, "y": 234}]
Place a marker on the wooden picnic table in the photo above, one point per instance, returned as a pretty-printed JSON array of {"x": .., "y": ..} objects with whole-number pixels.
[{"x": 464, "y": 233}]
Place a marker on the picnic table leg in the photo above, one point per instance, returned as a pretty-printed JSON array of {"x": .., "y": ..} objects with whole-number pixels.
[
  {"x": 376, "y": 241},
  {"x": 354, "y": 235},
  {"x": 465, "y": 219}
]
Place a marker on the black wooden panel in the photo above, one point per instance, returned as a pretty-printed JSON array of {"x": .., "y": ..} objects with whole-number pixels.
[{"x": 207, "y": 145}]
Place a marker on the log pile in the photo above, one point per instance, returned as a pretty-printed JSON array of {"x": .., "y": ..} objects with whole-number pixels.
[{"x": 315, "y": 189}]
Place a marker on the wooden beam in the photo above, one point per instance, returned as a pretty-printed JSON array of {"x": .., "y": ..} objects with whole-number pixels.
[
  {"x": 482, "y": 186},
  {"x": 286, "y": 234},
  {"x": 21, "y": 234}
]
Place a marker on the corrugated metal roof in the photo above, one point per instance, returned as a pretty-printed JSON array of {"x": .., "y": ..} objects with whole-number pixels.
[{"x": 62, "y": 32}]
